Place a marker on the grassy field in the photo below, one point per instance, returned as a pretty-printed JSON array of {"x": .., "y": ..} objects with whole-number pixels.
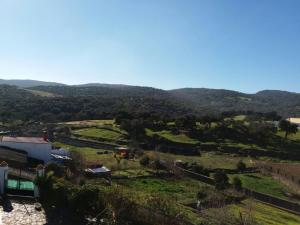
[
  {"x": 182, "y": 190},
  {"x": 266, "y": 214},
  {"x": 41, "y": 93},
  {"x": 264, "y": 184},
  {"x": 179, "y": 138},
  {"x": 91, "y": 156},
  {"x": 179, "y": 191},
  {"x": 85, "y": 123},
  {"x": 207, "y": 159},
  {"x": 100, "y": 133},
  {"x": 292, "y": 137}
]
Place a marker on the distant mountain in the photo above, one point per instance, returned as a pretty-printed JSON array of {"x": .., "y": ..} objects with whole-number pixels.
[
  {"x": 101, "y": 85},
  {"x": 219, "y": 100},
  {"x": 95, "y": 101},
  {"x": 29, "y": 83},
  {"x": 194, "y": 100}
]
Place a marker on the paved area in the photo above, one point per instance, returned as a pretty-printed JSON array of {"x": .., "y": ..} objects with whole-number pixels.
[{"x": 20, "y": 216}]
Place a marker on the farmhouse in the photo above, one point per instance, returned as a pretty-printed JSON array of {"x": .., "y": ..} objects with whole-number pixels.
[
  {"x": 295, "y": 121},
  {"x": 35, "y": 147}
]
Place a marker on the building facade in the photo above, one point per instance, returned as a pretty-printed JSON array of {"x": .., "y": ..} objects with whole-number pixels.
[{"x": 37, "y": 148}]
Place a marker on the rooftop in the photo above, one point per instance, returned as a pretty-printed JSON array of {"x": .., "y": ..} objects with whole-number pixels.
[
  {"x": 294, "y": 120},
  {"x": 35, "y": 140}
]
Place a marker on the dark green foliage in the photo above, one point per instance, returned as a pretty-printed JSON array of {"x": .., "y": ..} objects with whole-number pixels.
[
  {"x": 187, "y": 122},
  {"x": 198, "y": 169},
  {"x": 81, "y": 102},
  {"x": 288, "y": 127},
  {"x": 86, "y": 200},
  {"x": 145, "y": 161},
  {"x": 241, "y": 166},
  {"x": 221, "y": 180},
  {"x": 237, "y": 183},
  {"x": 201, "y": 195},
  {"x": 57, "y": 169}
]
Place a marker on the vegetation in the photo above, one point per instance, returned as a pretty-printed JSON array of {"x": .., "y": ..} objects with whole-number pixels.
[
  {"x": 288, "y": 127},
  {"x": 264, "y": 184},
  {"x": 104, "y": 133},
  {"x": 224, "y": 140},
  {"x": 221, "y": 180}
]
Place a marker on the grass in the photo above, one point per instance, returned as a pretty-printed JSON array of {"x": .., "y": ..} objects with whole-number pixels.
[
  {"x": 89, "y": 122},
  {"x": 292, "y": 137},
  {"x": 177, "y": 138},
  {"x": 91, "y": 156},
  {"x": 181, "y": 191},
  {"x": 264, "y": 184},
  {"x": 207, "y": 159},
  {"x": 266, "y": 214},
  {"x": 41, "y": 93},
  {"x": 99, "y": 133},
  {"x": 240, "y": 118}
]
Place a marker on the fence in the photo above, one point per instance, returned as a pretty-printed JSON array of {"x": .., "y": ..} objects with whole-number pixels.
[
  {"x": 278, "y": 202},
  {"x": 85, "y": 143}
]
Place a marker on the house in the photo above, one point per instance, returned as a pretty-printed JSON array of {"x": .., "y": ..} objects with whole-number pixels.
[
  {"x": 98, "y": 170},
  {"x": 35, "y": 147},
  {"x": 294, "y": 121}
]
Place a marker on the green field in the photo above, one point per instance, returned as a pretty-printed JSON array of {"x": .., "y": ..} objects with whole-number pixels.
[
  {"x": 183, "y": 190},
  {"x": 85, "y": 123},
  {"x": 109, "y": 134},
  {"x": 179, "y": 138},
  {"x": 207, "y": 159},
  {"x": 91, "y": 156},
  {"x": 264, "y": 184},
  {"x": 292, "y": 137},
  {"x": 266, "y": 214}
]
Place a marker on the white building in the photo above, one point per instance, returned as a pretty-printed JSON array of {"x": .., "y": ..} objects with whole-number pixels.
[
  {"x": 37, "y": 148},
  {"x": 295, "y": 121}
]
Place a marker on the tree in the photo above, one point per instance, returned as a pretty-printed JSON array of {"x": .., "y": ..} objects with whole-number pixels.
[
  {"x": 221, "y": 180},
  {"x": 57, "y": 169},
  {"x": 288, "y": 127},
  {"x": 145, "y": 161},
  {"x": 186, "y": 122},
  {"x": 237, "y": 183},
  {"x": 241, "y": 166}
]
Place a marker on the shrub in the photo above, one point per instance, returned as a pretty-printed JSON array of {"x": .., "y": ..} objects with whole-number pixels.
[
  {"x": 145, "y": 161},
  {"x": 221, "y": 180},
  {"x": 241, "y": 166},
  {"x": 57, "y": 169},
  {"x": 237, "y": 183}
]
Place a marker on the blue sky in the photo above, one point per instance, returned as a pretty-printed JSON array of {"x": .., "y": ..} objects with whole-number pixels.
[{"x": 232, "y": 44}]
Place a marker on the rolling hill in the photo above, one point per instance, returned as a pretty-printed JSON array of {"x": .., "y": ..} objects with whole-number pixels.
[
  {"x": 60, "y": 102},
  {"x": 28, "y": 83}
]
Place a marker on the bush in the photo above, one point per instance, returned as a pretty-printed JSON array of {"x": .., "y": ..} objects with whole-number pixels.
[
  {"x": 199, "y": 169},
  {"x": 145, "y": 161},
  {"x": 221, "y": 180},
  {"x": 57, "y": 169},
  {"x": 241, "y": 166},
  {"x": 237, "y": 183}
]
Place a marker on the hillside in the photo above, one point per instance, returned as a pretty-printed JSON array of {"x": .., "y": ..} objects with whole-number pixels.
[
  {"x": 218, "y": 100},
  {"x": 195, "y": 100},
  {"x": 28, "y": 83},
  {"x": 62, "y": 103}
]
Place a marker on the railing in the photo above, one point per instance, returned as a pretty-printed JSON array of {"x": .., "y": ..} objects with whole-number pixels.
[{"x": 277, "y": 202}]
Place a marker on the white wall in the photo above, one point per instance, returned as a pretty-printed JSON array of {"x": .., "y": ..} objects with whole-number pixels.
[{"x": 41, "y": 151}]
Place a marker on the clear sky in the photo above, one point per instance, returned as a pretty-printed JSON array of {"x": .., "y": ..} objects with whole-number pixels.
[{"x": 245, "y": 45}]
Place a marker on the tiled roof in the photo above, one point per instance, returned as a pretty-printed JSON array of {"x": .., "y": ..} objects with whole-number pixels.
[{"x": 35, "y": 140}]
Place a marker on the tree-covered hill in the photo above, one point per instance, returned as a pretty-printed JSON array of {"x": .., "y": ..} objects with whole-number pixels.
[
  {"x": 97, "y": 102},
  {"x": 284, "y": 103},
  {"x": 28, "y": 83}
]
